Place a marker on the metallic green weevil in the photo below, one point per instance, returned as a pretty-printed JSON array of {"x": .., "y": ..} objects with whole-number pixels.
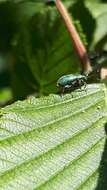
[{"x": 71, "y": 82}]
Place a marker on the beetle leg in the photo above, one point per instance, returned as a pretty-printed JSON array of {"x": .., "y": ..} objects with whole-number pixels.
[
  {"x": 85, "y": 86},
  {"x": 78, "y": 83},
  {"x": 62, "y": 91}
]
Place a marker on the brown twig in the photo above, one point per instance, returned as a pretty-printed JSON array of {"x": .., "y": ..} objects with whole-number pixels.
[{"x": 78, "y": 45}]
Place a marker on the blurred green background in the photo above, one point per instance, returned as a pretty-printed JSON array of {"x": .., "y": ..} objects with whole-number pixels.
[{"x": 35, "y": 47}]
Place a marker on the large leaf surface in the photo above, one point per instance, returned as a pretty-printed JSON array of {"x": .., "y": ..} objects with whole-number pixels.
[{"x": 54, "y": 142}]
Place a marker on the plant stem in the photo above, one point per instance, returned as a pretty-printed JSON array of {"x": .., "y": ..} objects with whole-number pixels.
[{"x": 78, "y": 45}]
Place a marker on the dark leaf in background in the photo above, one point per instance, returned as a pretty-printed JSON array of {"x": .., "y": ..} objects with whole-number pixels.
[{"x": 43, "y": 44}]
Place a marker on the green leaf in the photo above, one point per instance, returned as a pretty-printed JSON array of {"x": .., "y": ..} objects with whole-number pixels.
[
  {"x": 54, "y": 142},
  {"x": 40, "y": 54},
  {"x": 48, "y": 53},
  {"x": 99, "y": 13}
]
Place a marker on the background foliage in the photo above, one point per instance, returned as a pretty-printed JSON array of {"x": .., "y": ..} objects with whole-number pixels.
[{"x": 35, "y": 47}]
